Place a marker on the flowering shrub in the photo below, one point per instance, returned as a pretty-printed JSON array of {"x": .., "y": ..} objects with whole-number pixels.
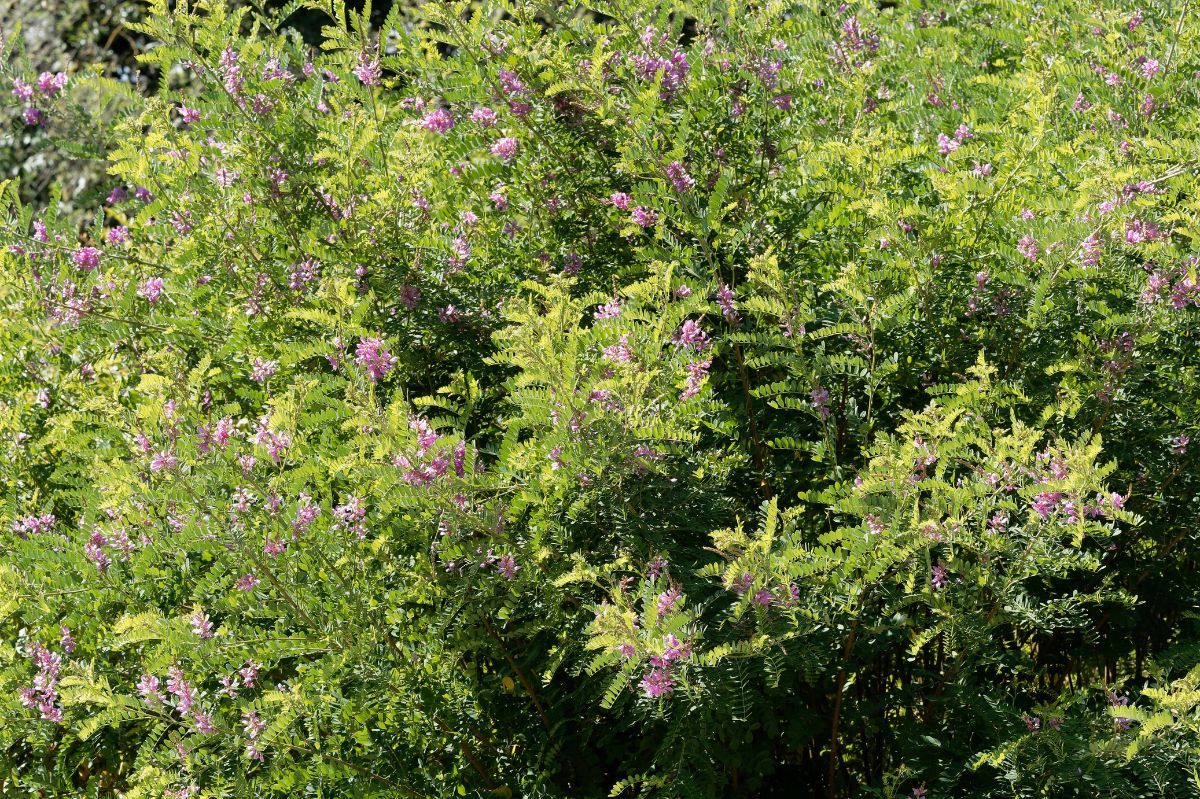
[{"x": 611, "y": 400}]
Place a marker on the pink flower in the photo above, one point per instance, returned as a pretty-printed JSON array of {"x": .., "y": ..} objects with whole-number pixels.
[
  {"x": 820, "y": 398},
  {"x": 657, "y": 683},
  {"x": 151, "y": 290},
  {"x": 1028, "y": 247},
  {"x": 618, "y": 199},
  {"x": 507, "y": 566},
  {"x": 644, "y": 216},
  {"x": 725, "y": 300},
  {"x": 201, "y": 625},
  {"x": 696, "y": 374},
  {"x": 610, "y": 310},
  {"x": 180, "y": 688},
  {"x": 22, "y": 90},
  {"x": 86, "y": 258},
  {"x": 505, "y": 148},
  {"x": 163, "y": 461},
  {"x": 148, "y": 687},
  {"x": 679, "y": 177},
  {"x": 484, "y": 117},
  {"x": 203, "y": 722},
  {"x": 690, "y": 334},
  {"x": 621, "y": 351},
  {"x": 510, "y": 83},
  {"x": 372, "y": 356},
  {"x": 51, "y": 84},
  {"x": 367, "y": 69},
  {"x": 946, "y": 145},
  {"x": 438, "y": 121},
  {"x": 188, "y": 115},
  {"x": 262, "y": 370}
]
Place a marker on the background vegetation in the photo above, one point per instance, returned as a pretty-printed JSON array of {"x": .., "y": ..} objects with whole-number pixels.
[{"x": 604, "y": 399}]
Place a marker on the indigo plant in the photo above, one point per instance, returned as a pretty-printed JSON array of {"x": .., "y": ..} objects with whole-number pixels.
[{"x": 617, "y": 398}]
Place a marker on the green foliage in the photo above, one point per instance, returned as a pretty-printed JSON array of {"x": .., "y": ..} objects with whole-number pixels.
[{"x": 609, "y": 399}]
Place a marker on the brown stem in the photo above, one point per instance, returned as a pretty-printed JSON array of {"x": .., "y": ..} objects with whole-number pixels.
[
  {"x": 758, "y": 447},
  {"x": 835, "y": 759},
  {"x": 525, "y": 683}
]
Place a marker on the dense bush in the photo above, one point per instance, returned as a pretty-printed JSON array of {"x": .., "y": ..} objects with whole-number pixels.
[{"x": 696, "y": 399}]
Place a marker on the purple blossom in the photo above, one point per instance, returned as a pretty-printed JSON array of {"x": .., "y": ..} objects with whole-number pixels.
[
  {"x": 1028, "y": 247},
  {"x": 181, "y": 689},
  {"x": 510, "y": 84},
  {"x": 1121, "y": 723},
  {"x": 507, "y": 566},
  {"x": 618, "y": 199},
  {"x": 674, "y": 71},
  {"x": 484, "y": 117},
  {"x": 609, "y": 310},
  {"x": 1046, "y": 502},
  {"x": 303, "y": 274},
  {"x": 351, "y": 516},
  {"x": 86, "y": 258},
  {"x": 679, "y": 177},
  {"x": 22, "y": 90},
  {"x": 151, "y": 289},
  {"x": 368, "y": 69},
  {"x": 505, "y": 148},
  {"x": 644, "y": 216},
  {"x": 690, "y": 334},
  {"x": 438, "y": 121},
  {"x": 43, "y": 695},
  {"x": 621, "y": 351},
  {"x": 201, "y": 625},
  {"x": 306, "y": 514},
  {"x": 657, "y": 683},
  {"x": 667, "y": 600},
  {"x": 149, "y": 688},
  {"x": 374, "y": 357},
  {"x": 249, "y": 673},
  {"x": 697, "y": 372},
  {"x": 163, "y": 461},
  {"x": 725, "y": 301},
  {"x": 820, "y": 399}
]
